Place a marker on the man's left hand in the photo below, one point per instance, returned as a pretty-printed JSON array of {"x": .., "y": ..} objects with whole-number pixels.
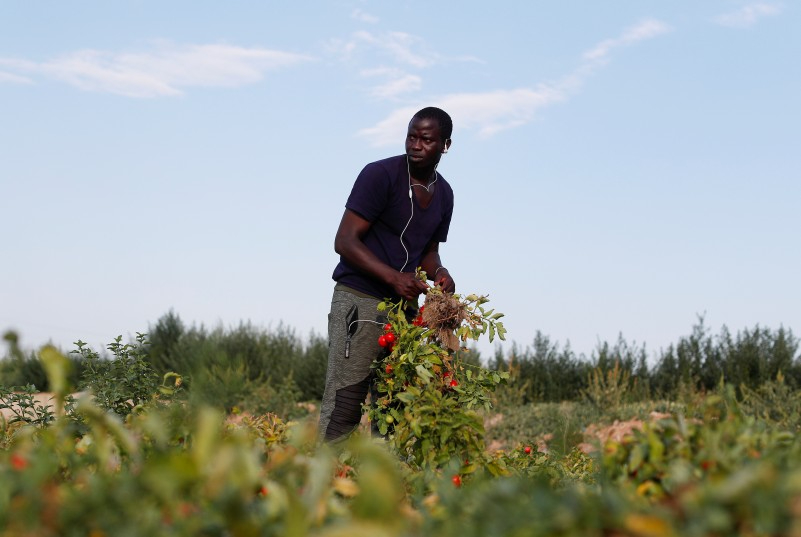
[{"x": 444, "y": 281}]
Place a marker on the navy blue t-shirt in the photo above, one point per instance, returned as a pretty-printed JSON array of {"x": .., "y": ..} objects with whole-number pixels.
[{"x": 380, "y": 195}]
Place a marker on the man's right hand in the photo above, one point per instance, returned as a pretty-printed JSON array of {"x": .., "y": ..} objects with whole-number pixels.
[{"x": 408, "y": 286}]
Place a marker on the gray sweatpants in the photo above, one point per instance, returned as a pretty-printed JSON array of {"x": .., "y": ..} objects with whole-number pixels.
[{"x": 354, "y": 325}]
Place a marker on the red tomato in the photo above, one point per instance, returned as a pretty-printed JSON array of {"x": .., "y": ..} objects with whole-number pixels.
[
  {"x": 382, "y": 340},
  {"x": 456, "y": 480},
  {"x": 390, "y": 337},
  {"x": 18, "y": 462},
  {"x": 454, "y": 382},
  {"x": 527, "y": 449},
  {"x": 387, "y": 327}
]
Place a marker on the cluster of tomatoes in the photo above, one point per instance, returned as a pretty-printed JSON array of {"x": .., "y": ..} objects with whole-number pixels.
[
  {"x": 388, "y": 339},
  {"x": 418, "y": 321},
  {"x": 453, "y": 382}
]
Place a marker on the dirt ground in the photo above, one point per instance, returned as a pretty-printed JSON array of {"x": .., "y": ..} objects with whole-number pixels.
[{"x": 594, "y": 435}]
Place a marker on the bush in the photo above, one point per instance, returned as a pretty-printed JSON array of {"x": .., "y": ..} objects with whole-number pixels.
[
  {"x": 122, "y": 383},
  {"x": 238, "y": 367}
]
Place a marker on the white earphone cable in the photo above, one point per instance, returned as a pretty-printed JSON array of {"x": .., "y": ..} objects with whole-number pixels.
[{"x": 411, "y": 205}]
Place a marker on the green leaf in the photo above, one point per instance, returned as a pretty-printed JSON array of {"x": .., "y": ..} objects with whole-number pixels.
[{"x": 424, "y": 373}]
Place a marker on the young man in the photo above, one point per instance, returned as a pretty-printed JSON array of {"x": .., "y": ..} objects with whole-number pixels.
[{"x": 398, "y": 212}]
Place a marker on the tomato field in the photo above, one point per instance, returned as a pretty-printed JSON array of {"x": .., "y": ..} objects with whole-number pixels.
[{"x": 461, "y": 454}]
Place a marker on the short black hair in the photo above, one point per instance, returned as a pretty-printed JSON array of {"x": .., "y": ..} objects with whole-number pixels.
[{"x": 442, "y": 117}]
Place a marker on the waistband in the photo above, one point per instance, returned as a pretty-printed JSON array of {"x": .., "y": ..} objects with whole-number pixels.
[{"x": 351, "y": 290}]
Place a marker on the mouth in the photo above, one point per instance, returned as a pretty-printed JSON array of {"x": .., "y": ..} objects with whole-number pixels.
[{"x": 414, "y": 158}]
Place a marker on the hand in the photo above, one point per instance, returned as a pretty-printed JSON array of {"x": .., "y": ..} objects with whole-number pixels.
[
  {"x": 443, "y": 280},
  {"x": 408, "y": 286}
]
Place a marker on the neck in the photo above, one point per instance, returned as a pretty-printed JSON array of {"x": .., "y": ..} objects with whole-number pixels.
[
  {"x": 424, "y": 179},
  {"x": 424, "y": 176},
  {"x": 429, "y": 173}
]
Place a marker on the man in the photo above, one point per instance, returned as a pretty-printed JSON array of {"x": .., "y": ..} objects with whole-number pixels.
[{"x": 398, "y": 212}]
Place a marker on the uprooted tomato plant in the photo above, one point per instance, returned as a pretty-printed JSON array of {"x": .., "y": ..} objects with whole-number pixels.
[{"x": 428, "y": 395}]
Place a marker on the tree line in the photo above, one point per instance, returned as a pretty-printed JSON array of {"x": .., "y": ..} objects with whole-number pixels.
[{"x": 264, "y": 368}]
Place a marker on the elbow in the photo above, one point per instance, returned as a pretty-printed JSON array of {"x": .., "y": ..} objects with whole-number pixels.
[{"x": 339, "y": 245}]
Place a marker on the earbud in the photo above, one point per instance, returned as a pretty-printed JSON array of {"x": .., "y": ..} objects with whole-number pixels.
[
  {"x": 444, "y": 150},
  {"x": 410, "y": 191}
]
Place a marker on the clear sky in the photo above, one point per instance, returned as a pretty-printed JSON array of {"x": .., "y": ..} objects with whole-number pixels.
[{"x": 619, "y": 167}]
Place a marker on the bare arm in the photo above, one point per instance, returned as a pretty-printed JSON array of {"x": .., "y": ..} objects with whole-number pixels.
[
  {"x": 350, "y": 245},
  {"x": 432, "y": 264}
]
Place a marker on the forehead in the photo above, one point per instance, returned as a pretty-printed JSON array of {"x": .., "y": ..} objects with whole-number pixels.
[{"x": 426, "y": 125}]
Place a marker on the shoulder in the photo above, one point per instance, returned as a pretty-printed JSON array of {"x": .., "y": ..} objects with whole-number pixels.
[
  {"x": 384, "y": 172},
  {"x": 377, "y": 185},
  {"x": 389, "y": 165}
]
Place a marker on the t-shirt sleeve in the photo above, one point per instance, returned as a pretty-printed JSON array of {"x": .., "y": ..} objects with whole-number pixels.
[
  {"x": 370, "y": 193},
  {"x": 441, "y": 234}
]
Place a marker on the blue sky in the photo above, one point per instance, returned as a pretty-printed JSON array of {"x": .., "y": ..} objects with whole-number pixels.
[{"x": 619, "y": 168}]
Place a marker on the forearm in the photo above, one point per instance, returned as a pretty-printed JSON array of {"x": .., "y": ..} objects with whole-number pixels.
[
  {"x": 430, "y": 263},
  {"x": 435, "y": 271}
]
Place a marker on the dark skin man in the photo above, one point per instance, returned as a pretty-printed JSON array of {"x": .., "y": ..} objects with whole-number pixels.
[
  {"x": 397, "y": 214},
  {"x": 424, "y": 148}
]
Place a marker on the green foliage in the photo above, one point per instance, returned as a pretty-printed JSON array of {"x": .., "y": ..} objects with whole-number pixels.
[
  {"x": 548, "y": 372},
  {"x": 750, "y": 358},
  {"x": 560, "y": 425},
  {"x": 775, "y": 402},
  {"x": 428, "y": 396},
  {"x": 122, "y": 383},
  {"x": 718, "y": 467},
  {"x": 238, "y": 367},
  {"x": 608, "y": 389},
  {"x": 724, "y": 458},
  {"x": 20, "y": 402},
  {"x": 278, "y": 398},
  {"x": 698, "y": 362}
]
